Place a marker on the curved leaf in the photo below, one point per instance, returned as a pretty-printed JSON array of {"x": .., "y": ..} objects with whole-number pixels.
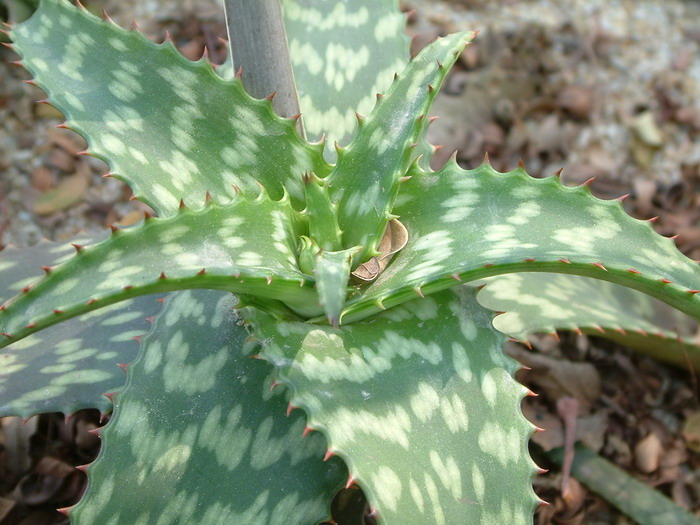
[
  {"x": 342, "y": 54},
  {"x": 544, "y": 302},
  {"x": 197, "y": 436},
  {"x": 366, "y": 178},
  {"x": 21, "y": 267},
  {"x": 69, "y": 366},
  {"x": 209, "y": 248},
  {"x": 421, "y": 404},
  {"x": 636, "y": 499},
  {"x": 473, "y": 224},
  {"x": 109, "y": 83}
]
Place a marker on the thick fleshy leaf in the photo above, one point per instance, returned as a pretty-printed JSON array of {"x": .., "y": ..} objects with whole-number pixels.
[
  {"x": 321, "y": 214},
  {"x": 21, "y": 267},
  {"x": 332, "y": 275},
  {"x": 342, "y": 54},
  {"x": 636, "y": 499},
  {"x": 198, "y": 436},
  {"x": 473, "y": 224},
  {"x": 545, "y": 302},
  {"x": 421, "y": 404},
  {"x": 367, "y": 175},
  {"x": 69, "y": 366},
  {"x": 209, "y": 248},
  {"x": 110, "y": 82}
]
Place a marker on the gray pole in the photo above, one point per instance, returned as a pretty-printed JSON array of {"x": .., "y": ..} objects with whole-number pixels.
[{"x": 259, "y": 46}]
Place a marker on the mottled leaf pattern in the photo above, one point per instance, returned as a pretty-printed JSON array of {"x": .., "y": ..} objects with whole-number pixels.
[
  {"x": 69, "y": 366},
  {"x": 208, "y": 248},
  {"x": 544, "y": 302},
  {"x": 474, "y": 224},
  {"x": 198, "y": 436},
  {"x": 22, "y": 267},
  {"x": 421, "y": 403},
  {"x": 342, "y": 54},
  {"x": 170, "y": 127},
  {"x": 366, "y": 178},
  {"x": 420, "y": 400}
]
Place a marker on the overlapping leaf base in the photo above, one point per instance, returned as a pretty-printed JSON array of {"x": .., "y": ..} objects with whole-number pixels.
[
  {"x": 112, "y": 85},
  {"x": 367, "y": 176},
  {"x": 474, "y": 224},
  {"x": 208, "y": 248},
  {"x": 421, "y": 403},
  {"x": 198, "y": 437}
]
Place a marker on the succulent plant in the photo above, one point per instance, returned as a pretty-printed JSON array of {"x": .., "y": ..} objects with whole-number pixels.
[{"x": 258, "y": 250}]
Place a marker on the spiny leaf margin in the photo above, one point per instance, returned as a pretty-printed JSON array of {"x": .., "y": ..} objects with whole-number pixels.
[
  {"x": 466, "y": 225},
  {"x": 546, "y": 303},
  {"x": 367, "y": 176},
  {"x": 213, "y": 137},
  {"x": 198, "y": 434},
  {"x": 399, "y": 395},
  {"x": 193, "y": 249}
]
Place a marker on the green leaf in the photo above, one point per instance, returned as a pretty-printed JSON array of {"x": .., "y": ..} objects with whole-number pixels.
[
  {"x": 208, "y": 248},
  {"x": 21, "y": 267},
  {"x": 332, "y": 275},
  {"x": 69, "y": 366},
  {"x": 473, "y": 224},
  {"x": 421, "y": 404},
  {"x": 637, "y": 500},
  {"x": 342, "y": 54},
  {"x": 366, "y": 178},
  {"x": 198, "y": 436},
  {"x": 322, "y": 214},
  {"x": 73, "y": 363},
  {"x": 211, "y": 135},
  {"x": 545, "y": 302}
]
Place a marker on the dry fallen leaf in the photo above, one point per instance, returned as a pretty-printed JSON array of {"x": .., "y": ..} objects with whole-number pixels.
[
  {"x": 17, "y": 435},
  {"x": 559, "y": 377},
  {"x": 69, "y": 191},
  {"x": 647, "y": 453},
  {"x": 577, "y": 100},
  {"x": 7, "y": 511},
  {"x": 691, "y": 432},
  {"x": 394, "y": 239}
]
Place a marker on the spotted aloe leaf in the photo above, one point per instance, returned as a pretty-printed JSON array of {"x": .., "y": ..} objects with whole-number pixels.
[
  {"x": 72, "y": 364},
  {"x": 467, "y": 225},
  {"x": 206, "y": 248},
  {"x": 544, "y": 303},
  {"x": 75, "y": 362},
  {"x": 22, "y": 267},
  {"x": 210, "y": 136},
  {"x": 421, "y": 404},
  {"x": 198, "y": 436},
  {"x": 342, "y": 54},
  {"x": 366, "y": 178}
]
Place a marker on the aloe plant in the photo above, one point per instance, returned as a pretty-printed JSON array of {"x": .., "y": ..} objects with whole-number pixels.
[{"x": 263, "y": 248}]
